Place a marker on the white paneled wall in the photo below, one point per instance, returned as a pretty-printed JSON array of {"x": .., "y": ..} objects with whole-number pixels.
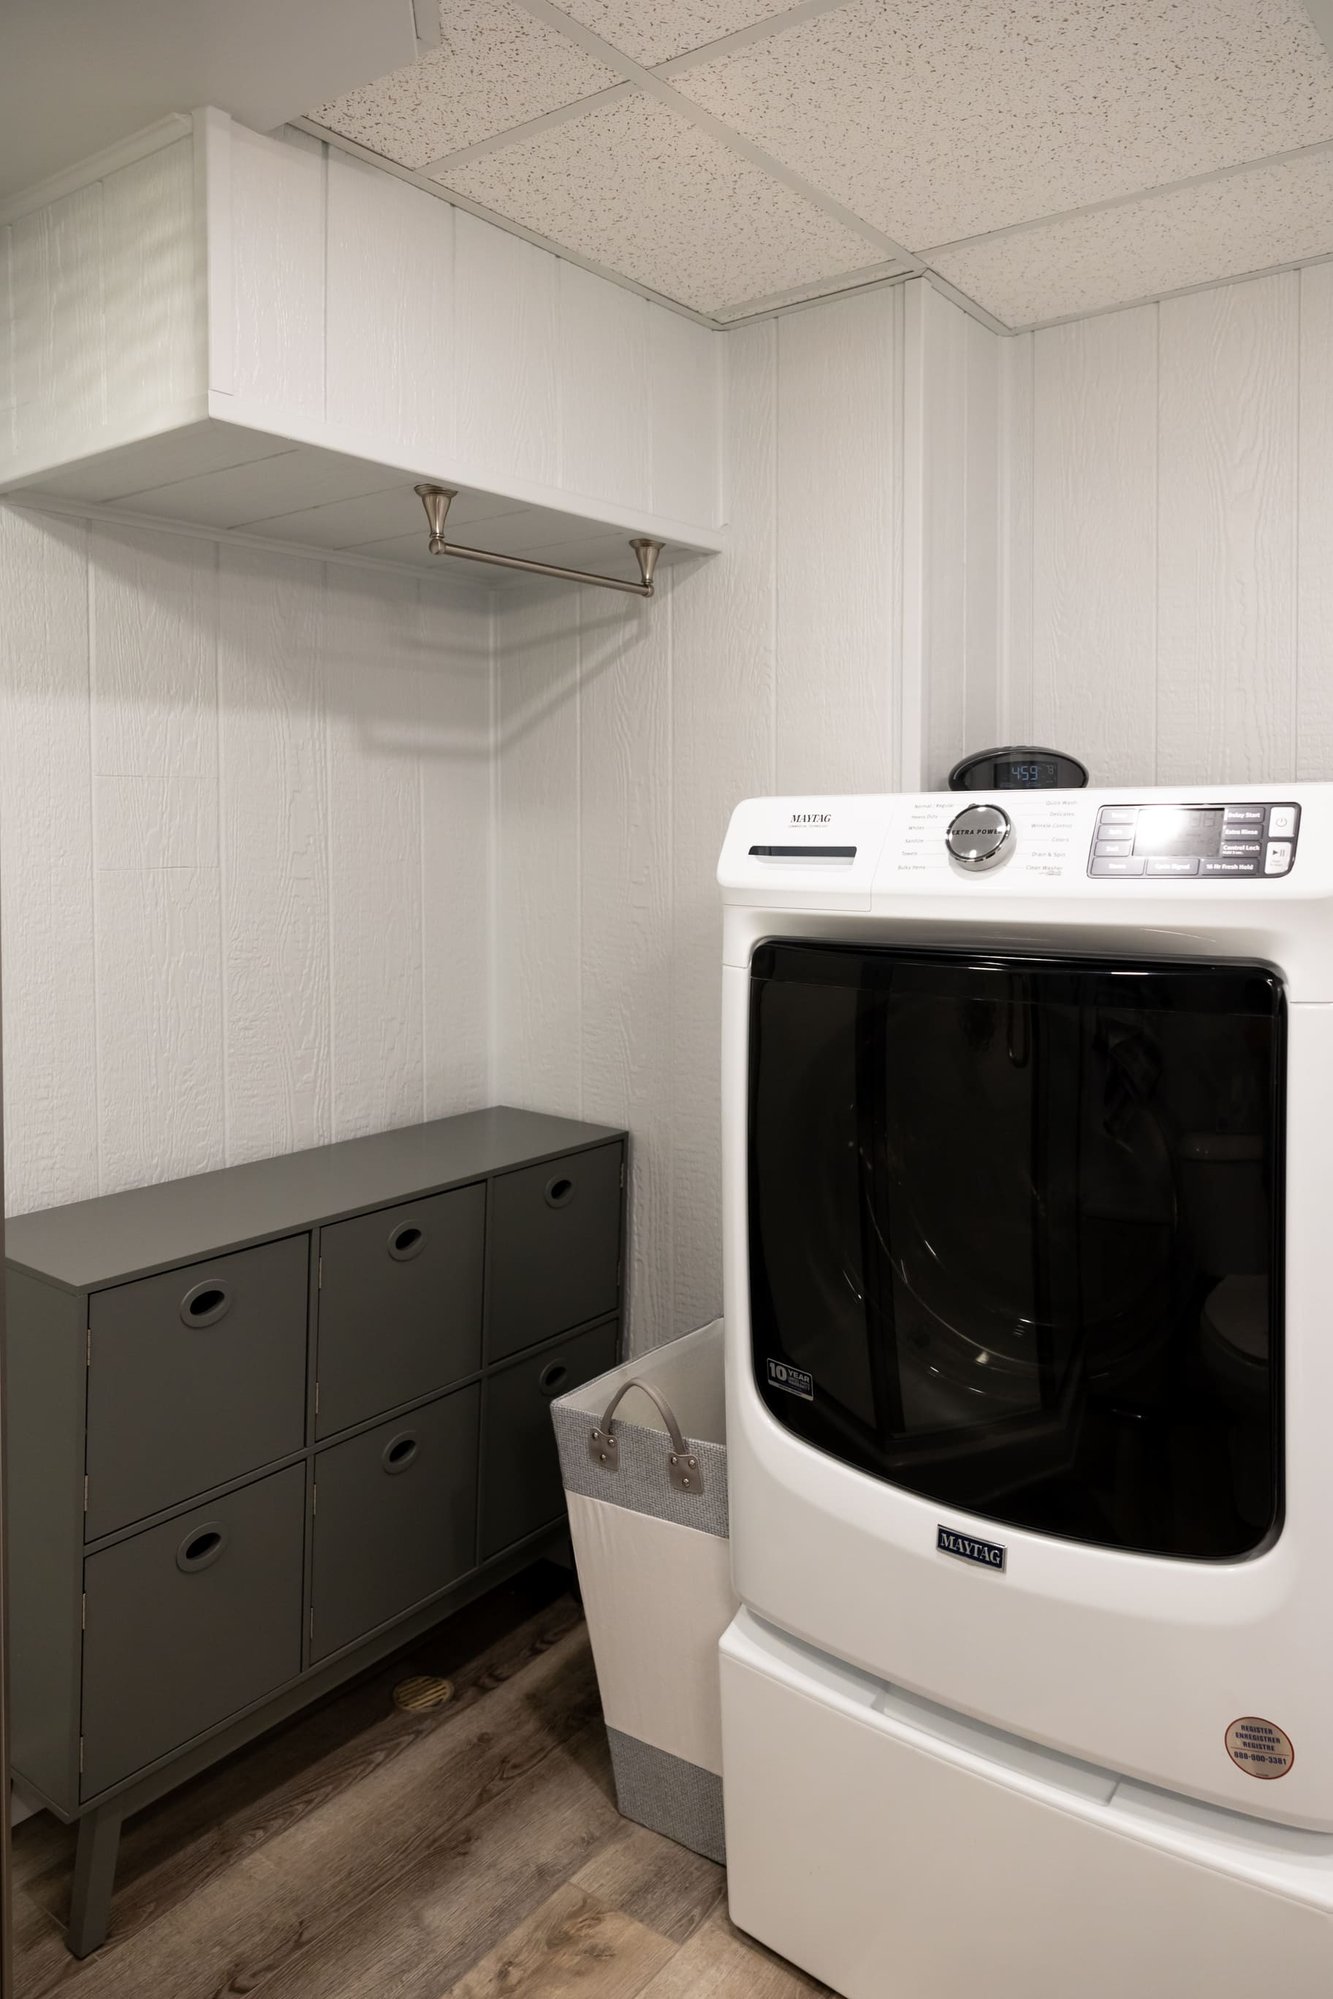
[
  {"x": 1169, "y": 585},
  {"x": 244, "y": 853},
  {"x": 836, "y": 555},
  {"x": 952, "y": 532},
  {"x": 627, "y": 733}
]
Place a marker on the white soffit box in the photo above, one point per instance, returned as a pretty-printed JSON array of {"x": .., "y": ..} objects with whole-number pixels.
[{"x": 241, "y": 335}]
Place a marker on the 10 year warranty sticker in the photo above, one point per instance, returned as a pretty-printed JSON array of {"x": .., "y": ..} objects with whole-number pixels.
[{"x": 1260, "y": 1748}]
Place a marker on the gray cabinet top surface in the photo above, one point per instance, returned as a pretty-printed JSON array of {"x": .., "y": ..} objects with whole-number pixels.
[{"x": 90, "y": 1244}]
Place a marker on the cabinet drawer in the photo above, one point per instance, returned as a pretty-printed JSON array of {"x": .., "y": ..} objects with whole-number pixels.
[
  {"x": 399, "y": 1305},
  {"x": 554, "y": 1248},
  {"x": 196, "y": 1377},
  {"x": 190, "y": 1622},
  {"x": 520, "y": 1485},
  {"x": 395, "y": 1518}
]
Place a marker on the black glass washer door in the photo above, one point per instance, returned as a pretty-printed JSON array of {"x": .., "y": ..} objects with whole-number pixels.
[{"x": 1015, "y": 1235}]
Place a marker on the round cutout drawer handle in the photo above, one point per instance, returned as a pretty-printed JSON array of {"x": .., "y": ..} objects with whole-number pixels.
[
  {"x": 552, "y": 1375},
  {"x": 204, "y": 1304},
  {"x": 399, "y": 1452},
  {"x": 406, "y": 1240},
  {"x": 559, "y": 1191},
  {"x": 201, "y": 1547}
]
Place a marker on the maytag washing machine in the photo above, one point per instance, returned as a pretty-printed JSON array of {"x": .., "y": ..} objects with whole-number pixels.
[{"x": 1028, "y": 1114}]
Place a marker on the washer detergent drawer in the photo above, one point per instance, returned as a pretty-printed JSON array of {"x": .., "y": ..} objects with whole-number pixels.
[
  {"x": 190, "y": 1622},
  {"x": 399, "y": 1305},
  {"x": 395, "y": 1518},
  {"x": 885, "y": 1845},
  {"x": 196, "y": 1377},
  {"x": 554, "y": 1248}
]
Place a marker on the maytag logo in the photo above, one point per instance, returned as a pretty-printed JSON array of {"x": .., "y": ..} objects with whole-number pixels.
[
  {"x": 989, "y": 1554},
  {"x": 811, "y": 818}
]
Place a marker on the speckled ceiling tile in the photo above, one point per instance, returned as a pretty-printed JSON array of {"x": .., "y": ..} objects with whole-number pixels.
[
  {"x": 652, "y": 31},
  {"x": 935, "y": 119},
  {"x": 636, "y": 187},
  {"x": 1187, "y": 236},
  {"x": 496, "y": 66}
]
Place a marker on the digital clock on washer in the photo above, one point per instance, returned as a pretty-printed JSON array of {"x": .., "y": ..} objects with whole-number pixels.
[{"x": 1018, "y": 767}]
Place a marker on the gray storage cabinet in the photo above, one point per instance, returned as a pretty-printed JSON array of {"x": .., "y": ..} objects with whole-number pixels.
[
  {"x": 397, "y": 1519},
  {"x": 268, "y": 1424},
  {"x": 520, "y": 1486}
]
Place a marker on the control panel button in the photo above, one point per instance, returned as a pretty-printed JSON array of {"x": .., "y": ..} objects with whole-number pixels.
[
  {"x": 1243, "y": 815},
  {"x": 1235, "y": 847},
  {"x": 1211, "y": 866},
  {"x": 1282, "y": 822},
  {"x": 1114, "y": 865},
  {"x": 1173, "y": 864},
  {"x": 1105, "y": 847},
  {"x": 977, "y": 836},
  {"x": 1115, "y": 815},
  {"x": 1278, "y": 857}
]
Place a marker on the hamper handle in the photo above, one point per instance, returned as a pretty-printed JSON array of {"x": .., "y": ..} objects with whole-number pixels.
[{"x": 682, "y": 1465}]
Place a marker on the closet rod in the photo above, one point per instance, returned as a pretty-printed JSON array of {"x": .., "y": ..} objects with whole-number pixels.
[{"x": 436, "y": 500}]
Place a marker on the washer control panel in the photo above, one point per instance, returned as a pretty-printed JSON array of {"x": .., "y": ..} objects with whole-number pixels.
[{"x": 1205, "y": 842}]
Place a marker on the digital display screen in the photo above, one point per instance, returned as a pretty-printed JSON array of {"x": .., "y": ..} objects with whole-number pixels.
[
  {"x": 1014, "y": 776},
  {"x": 1178, "y": 829}
]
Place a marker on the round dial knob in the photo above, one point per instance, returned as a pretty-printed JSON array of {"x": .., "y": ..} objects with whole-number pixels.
[{"x": 977, "y": 838}]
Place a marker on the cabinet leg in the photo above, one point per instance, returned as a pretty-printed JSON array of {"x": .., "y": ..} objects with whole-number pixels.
[{"x": 94, "y": 1876}]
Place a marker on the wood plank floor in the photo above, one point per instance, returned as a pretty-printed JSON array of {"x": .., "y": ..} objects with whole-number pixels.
[{"x": 468, "y": 1853}]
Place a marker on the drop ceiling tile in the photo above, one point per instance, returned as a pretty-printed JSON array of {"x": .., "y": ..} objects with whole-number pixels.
[
  {"x": 496, "y": 67},
  {"x": 652, "y": 31},
  {"x": 936, "y": 119},
  {"x": 635, "y": 186},
  {"x": 1191, "y": 235}
]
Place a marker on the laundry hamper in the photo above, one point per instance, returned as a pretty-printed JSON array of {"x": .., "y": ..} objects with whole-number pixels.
[{"x": 644, "y": 1462}]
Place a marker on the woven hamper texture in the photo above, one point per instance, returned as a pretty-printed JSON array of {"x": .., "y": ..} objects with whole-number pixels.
[
  {"x": 643, "y": 1483},
  {"x": 668, "y": 1795}
]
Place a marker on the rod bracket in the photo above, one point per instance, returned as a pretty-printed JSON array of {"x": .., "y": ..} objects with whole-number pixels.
[
  {"x": 646, "y": 552},
  {"x": 437, "y": 501}
]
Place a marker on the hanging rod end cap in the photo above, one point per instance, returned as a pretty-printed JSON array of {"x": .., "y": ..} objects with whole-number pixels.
[
  {"x": 436, "y": 500},
  {"x": 647, "y": 552}
]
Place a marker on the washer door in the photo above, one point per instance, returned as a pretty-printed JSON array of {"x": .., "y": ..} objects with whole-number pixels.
[{"x": 977, "y": 1268}]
